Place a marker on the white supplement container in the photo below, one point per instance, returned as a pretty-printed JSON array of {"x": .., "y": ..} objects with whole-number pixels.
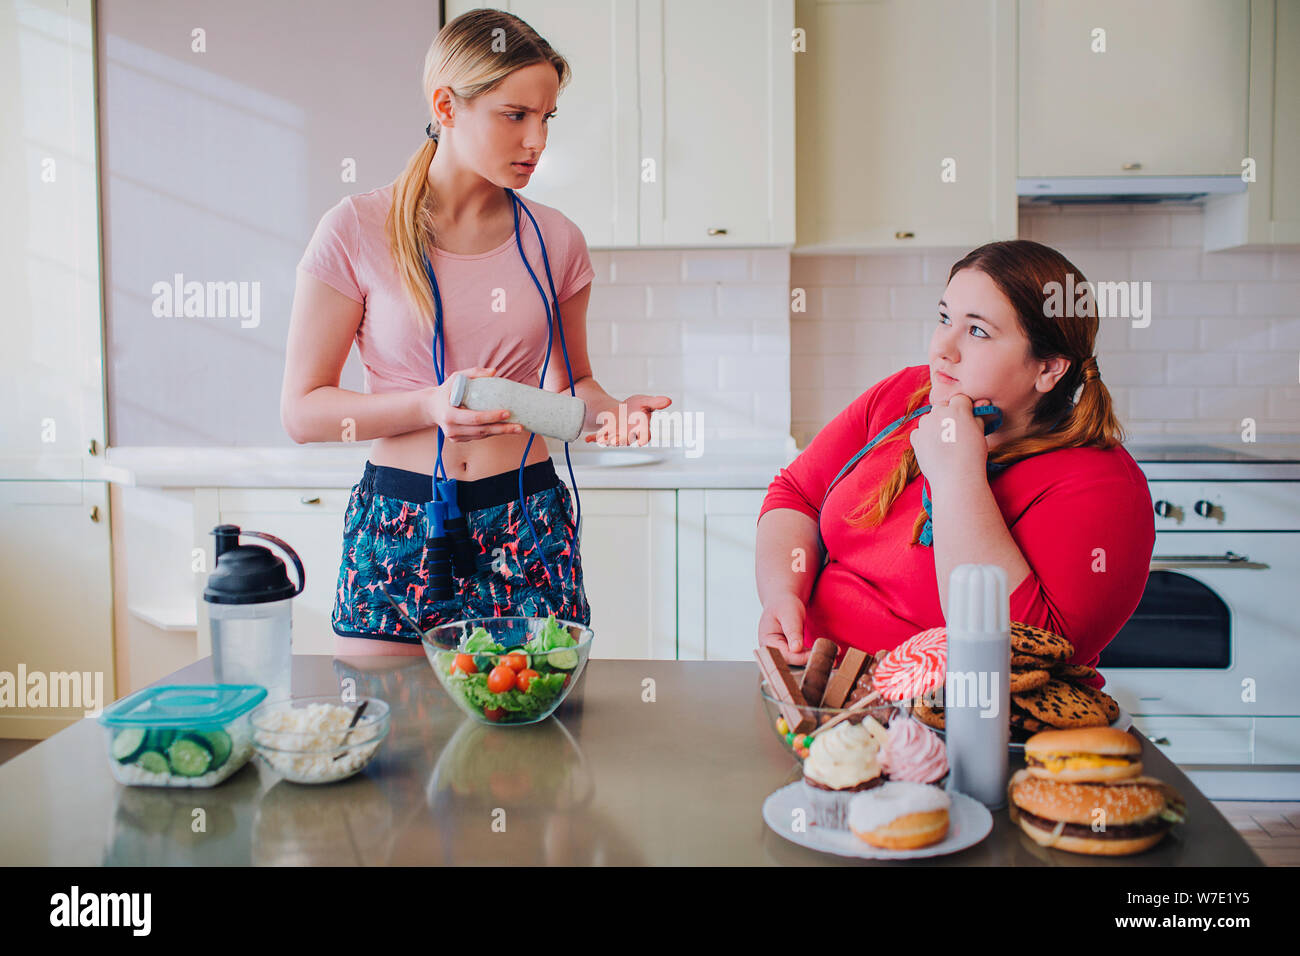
[
  {"x": 545, "y": 413},
  {"x": 977, "y": 694}
]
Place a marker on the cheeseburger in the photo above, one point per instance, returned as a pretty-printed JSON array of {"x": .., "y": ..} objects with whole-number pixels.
[
  {"x": 1083, "y": 791},
  {"x": 1090, "y": 754}
]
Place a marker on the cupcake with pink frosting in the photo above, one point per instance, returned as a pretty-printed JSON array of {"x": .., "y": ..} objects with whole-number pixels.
[{"x": 913, "y": 752}]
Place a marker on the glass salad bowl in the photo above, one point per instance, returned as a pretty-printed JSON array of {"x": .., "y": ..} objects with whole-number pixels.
[{"x": 508, "y": 670}]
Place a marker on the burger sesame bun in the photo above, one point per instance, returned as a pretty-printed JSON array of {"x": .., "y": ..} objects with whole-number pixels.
[
  {"x": 1090, "y": 846},
  {"x": 1083, "y": 755},
  {"x": 1085, "y": 804}
]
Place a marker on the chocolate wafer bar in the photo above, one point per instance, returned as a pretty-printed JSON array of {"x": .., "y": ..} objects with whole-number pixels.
[
  {"x": 782, "y": 686},
  {"x": 818, "y": 670},
  {"x": 845, "y": 676}
]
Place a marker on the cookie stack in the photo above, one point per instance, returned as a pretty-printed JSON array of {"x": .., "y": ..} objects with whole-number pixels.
[{"x": 1046, "y": 691}]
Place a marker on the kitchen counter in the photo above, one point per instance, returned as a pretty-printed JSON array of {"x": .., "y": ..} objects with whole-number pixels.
[
  {"x": 611, "y": 779},
  {"x": 714, "y": 464}
]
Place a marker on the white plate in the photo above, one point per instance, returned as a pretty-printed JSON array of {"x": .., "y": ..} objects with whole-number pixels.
[
  {"x": 969, "y": 822},
  {"x": 1122, "y": 722}
]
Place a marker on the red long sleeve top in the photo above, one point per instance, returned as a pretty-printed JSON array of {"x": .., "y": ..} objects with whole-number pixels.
[{"x": 1082, "y": 518}]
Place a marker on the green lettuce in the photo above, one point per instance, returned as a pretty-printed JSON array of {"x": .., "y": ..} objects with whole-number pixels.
[
  {"x": 481, "y": 642},
  {"x": 549, "y": 638},
  {"x": 541, "y": 694}
]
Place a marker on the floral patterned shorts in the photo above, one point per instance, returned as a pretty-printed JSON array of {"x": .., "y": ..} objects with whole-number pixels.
[{"x": 384, "y": 546}]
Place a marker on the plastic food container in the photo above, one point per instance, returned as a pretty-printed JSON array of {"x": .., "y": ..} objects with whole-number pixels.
[
  {"x": 193, "y": 735},
  {"x": 309, "y": 740}
]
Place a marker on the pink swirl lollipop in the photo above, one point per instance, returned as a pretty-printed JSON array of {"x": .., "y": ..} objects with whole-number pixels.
[{"x": 915, "y": 667}]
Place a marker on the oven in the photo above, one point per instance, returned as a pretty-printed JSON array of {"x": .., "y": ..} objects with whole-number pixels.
[{"x": 1209, "y": 662}]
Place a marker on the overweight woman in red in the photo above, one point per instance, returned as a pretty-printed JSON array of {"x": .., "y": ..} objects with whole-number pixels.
[{"x": 1050, "y": 494}]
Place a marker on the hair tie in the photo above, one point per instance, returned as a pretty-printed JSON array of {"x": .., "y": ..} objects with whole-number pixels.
[
  {"x": 430, "y": 132},
  {"x": 1090, "y": 369}
]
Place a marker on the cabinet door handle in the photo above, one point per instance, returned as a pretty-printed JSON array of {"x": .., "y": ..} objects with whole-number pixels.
[
  {"x": 1131, "y": 166},
  {"x": 1162, "y": 741},
  {"x": 314, "y": 500},
  {"x": 94, "y": 513},
  {"x": 715, "y": 231},
  {"x": 904, "y": 234}
]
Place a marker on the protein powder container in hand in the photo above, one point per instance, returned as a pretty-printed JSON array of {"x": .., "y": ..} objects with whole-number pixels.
[{"x": 546, "y": 413}]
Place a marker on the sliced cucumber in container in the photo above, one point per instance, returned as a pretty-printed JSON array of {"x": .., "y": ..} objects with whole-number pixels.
[
  {"x": 128, "y": 744},
  {"x": 152, "y": 761},
  {"x": 190, "y": 756},
  {"x": 220, "y": 743}
]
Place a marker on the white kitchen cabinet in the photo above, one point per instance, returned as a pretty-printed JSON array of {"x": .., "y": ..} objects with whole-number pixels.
[
  {"x": 627, "y": 540},
  {"x": 1167, "y": 97},
  {"x": 1268, "y": 212},
  {"x": 57, "y": 600},
  {"x": 719, "y": 607},
  {"x": 717, "y": 107},
  {"x": 310, "y": 520},
  {"x": 628, "y": 546},
  {"x": 588, "y": 170},
  {"x": 52, "y": 393},
  {"x": 905, "y": 124},
  {"x": 675, "y": 127}
]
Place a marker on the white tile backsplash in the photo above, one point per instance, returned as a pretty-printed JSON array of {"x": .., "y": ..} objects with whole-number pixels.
[{"x": 714, "y": 328}]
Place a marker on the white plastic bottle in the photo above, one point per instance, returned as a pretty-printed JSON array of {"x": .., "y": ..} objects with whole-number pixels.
[
  {"x": 545, "y": 413},
  {"x": 977, "y": 693}
]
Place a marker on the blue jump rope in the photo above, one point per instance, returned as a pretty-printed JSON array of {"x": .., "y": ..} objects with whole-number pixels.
[
  {"x": 445, "y": 518},
  {"x": 993, "y": 421}
]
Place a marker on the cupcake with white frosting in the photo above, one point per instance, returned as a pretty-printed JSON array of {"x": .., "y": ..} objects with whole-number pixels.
[{"x": 841, "y": 762}]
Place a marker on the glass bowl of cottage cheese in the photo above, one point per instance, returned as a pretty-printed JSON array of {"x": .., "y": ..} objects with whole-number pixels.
[{"x": 309, "y": 740}]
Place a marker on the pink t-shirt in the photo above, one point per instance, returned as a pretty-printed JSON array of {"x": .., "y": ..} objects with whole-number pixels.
[{"x": 349, "y": 251}]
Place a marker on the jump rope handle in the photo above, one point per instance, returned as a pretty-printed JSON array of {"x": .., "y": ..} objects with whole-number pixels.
[{"x": 992, "y": 417}]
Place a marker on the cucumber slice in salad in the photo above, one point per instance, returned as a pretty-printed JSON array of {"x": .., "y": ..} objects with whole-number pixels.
[
  {"x": 152, "y": 761},
  {"x": 563, "y": 659},
  {"x": 190, "y": 756},
  {"x": 127, "y": 744}
]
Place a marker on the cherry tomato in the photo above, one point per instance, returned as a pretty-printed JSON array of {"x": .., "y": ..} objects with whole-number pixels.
[
  {"x": 515, "y": 661},
  {"x": 501, "y": 679},
  {"x": 464, "y": 663},
  {"x": 494, "y": 713},
  {"x": 525, "y": 679}
]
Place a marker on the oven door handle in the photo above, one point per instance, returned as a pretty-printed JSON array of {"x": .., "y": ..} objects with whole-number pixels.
[{"x": 1193, "y": 562}]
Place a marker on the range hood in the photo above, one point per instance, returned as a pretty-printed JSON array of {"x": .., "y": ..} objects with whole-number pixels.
[{"x": 1072, "y": 190}]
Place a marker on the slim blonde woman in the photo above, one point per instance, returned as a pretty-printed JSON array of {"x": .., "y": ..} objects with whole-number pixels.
[{"x": 444, "y": 270}]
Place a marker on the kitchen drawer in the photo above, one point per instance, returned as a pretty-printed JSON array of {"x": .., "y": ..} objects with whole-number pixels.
[
  {"x": 283, "y": 500},
  {"x": 1226, "y": 740},
  {"x": 1277, "y": 740}
]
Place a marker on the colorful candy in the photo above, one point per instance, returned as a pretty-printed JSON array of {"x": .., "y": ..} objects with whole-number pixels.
[
  {"x": 782, "y": 727},
  {"x": 915, "y": 667}
]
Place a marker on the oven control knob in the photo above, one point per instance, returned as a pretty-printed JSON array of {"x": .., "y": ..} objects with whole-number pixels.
[
  {"x": 1164, "y": 509},
  {"x": 1203, "y": 508}
]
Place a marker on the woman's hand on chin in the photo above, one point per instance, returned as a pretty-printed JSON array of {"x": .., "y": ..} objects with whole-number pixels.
[{"x": 950, "y": 445}]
